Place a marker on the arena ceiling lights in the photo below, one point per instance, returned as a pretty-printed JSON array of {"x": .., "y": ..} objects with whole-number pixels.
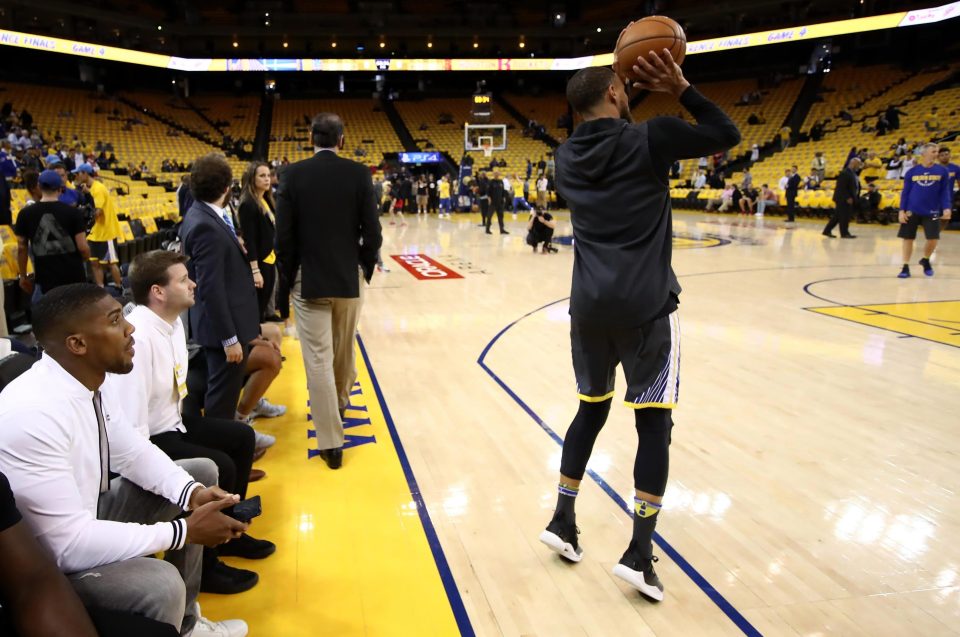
[{"x": 714, "y": 45}]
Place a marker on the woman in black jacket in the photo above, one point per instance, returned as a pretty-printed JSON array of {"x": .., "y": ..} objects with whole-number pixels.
[{"x": 258, "y": 229}]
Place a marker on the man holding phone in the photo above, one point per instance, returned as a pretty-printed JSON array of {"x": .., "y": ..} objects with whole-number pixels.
[
  {"x": 58, "y": 455},
  {"x": 152, "y": 393}
]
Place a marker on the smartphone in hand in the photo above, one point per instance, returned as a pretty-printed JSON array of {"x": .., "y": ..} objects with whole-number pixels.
[{"x": 246, "y": 510}]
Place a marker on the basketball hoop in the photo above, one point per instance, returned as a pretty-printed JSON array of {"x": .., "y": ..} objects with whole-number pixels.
[{"x": 487, "y": 149}]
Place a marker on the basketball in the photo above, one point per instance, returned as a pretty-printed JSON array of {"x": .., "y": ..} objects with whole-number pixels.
[{"x": 653, "y": 33}]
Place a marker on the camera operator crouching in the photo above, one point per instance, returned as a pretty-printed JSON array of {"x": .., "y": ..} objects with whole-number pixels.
[{"x": 540, "y": 230}]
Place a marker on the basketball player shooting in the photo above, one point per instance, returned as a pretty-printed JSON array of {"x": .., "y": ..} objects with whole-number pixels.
[{"x": 623, "y": 303}]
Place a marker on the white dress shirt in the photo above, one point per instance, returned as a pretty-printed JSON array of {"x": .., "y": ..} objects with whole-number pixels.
[
  {"x": 152, "y": 393},
  {"x": 50, "y": 444}
]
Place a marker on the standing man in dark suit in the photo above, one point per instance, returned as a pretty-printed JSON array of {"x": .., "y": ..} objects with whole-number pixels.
[
  {"x": 846, "y": 194},
  {"x": 793, "y": 186},
  {"x": 225, "y": 317},
  {"x": 328, "y": 236},
  {"x": 496, "y": 192}
]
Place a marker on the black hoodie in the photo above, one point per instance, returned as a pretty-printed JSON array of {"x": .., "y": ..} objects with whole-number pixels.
[{"x": 614, "y": 176}]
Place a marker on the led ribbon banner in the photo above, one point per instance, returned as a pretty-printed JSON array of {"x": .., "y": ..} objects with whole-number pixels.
[{"x": 760, "y": 38}]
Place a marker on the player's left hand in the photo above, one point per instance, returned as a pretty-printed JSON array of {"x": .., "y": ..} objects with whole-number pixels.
[
  {"x": 946, "y": 214},
  {"x": 660, "y": 74}
]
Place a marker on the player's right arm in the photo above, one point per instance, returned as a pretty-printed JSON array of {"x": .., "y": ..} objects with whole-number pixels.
[{"x": 671, "y": 138}]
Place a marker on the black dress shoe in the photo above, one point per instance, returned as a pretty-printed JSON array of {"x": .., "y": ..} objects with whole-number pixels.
[
  {"x": 848, "y": 236},
  {"x": 227, "y": 580},
  {"x": 488, "y": 231},
  {"x": 333, "y": 457},
  {"x": 502, "y": 231},
  {"x": 248, "y": 547},
  {"x": 829, "y": 234}
]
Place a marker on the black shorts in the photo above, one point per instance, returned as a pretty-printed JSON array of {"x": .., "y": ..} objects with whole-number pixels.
[
  {"x": 103, "y": 251},
  {"x": 931, "y": 227},
  {"x": 650, "y": 356}
]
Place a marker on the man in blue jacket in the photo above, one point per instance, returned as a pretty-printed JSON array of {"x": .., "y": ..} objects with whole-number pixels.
[
  {"x": 614, "y": 175},
  {"x": 225, "y": 317},
  {"x": 925, "y": 199}
]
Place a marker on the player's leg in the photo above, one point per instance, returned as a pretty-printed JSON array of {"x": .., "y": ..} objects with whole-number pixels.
[
  {"x": 651, "y": 362},
  {"x": 594, "y": 366}
]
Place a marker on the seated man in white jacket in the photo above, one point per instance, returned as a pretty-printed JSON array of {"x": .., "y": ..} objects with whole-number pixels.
[
  {"x": 151, "y": 396},
  {"x": 60, "y": 438}
]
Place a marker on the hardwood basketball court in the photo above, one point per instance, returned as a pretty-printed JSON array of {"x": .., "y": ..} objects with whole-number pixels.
[{"x": 814, "y": 459}]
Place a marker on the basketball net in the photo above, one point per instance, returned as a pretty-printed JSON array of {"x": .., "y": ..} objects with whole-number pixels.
[{"x": 487, "y": 149}]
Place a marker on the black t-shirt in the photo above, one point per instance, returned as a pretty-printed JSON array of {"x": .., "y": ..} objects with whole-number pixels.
[
  {"x": 422, "y": 190},
  {"x": 50, "y": 227},
  {"x": 8, "y": 506}
]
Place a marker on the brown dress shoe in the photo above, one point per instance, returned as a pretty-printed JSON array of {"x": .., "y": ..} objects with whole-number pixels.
[{"x": 257, "y": 474}]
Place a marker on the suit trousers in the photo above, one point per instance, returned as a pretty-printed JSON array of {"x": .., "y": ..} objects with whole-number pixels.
[
  {"x": 162, "y": 590},
  {"x": 224, "y": 383},
  {"x": 841, "y": 215},
  {"x": 327, "y": 329},
  {"x": 791, "y": 206}
]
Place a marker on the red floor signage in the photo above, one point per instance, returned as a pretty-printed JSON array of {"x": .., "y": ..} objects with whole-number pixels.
[{"x": 423, "y": 267}]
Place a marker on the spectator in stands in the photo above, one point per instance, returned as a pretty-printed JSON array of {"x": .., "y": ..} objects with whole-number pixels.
[
  {"x": 819, "y": 165},
  {"x": 38, "y": 600},
  {"x": 700, "y": 181},
  {"x": 893, "y": 116},
  {"x": 716, "y": 180},
  {"x": 766, "y": 199},
  {"x": 753, "y": 119},
  {"x": 784, "y": 135},
  {"x": 106, "y": 226},
  {"x": 846, "y": 197},
  {"x": 882, "y": 125},
  {"x": 932, "y": 120},
  {"x": 748, "y": 197},
  {"x": 893, "y": 167},
  {"x": 8, "y": 163},
  {"x": 551, "y": 166},
  {"x": 816, "y": 131},
  {"x": 754, "y": 154},
  {"x": 31, "y": 159},
  {"x": 872, "y": 168},
  {"x": 845, "y": 115},
  {"x": 51, "y": 448},
  {"x": 162, "y": 291},
  {"x": 55, "y": 234},
  {"x": 747, "y": 181},
  {"x": 225, "y": 317},
  {"x": 724, "y": 203},
  {"x": 6, "y": 216},
  {"x": 675, "y": 169},
  {"x": 907, "y": 163},
  {"x": 869, "y": 208}
]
